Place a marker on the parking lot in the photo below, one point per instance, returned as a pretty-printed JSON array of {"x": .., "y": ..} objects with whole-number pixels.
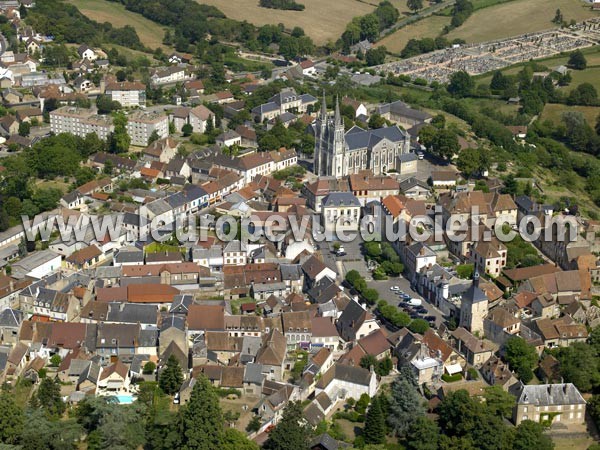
[{"x": 383, "y": 287}]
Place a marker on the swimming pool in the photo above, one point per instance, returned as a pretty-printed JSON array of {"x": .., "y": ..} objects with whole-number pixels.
[{"x": 125, "y": 399}]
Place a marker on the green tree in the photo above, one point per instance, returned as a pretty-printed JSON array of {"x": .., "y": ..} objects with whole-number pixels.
[
  {"x": 580, "y": 364},
  {"x": 446, "y": 144},
  {"x": 11, "y": 420},
  {"x": 375, "y": 56},
  {"x": 423, "y": 434},
  {"x": 473, "y": 161},
  {"x": 202, "y": 418},
  {"x": 149, "y": 368},
  {"x": 119, "y": 139},
  {"x": 415, "y": 5},
  {"x": 4, "y": 219},
  {"x": 291, "y": 432},
  {"x": 171, "y": 377},
  {"x": 254, "y": 424},
  {"x": 529, "y": 435},
  {"x": 48, "y": 397},
  {"x": 236, "y": 440},
  {"x": 374, "y": 430},
  {"x": 521, "y": 357},
  {"x": 577, "y": 60},
  {"x": 376, "y": 121},
  {"x": 369, "y": 27},
  {"x": 55, "y": 360},
  {"x": 405, "y": 405},
  {"x": 24, "y": 129},
  {"x": 558, "y": 17},
  {"x": 419, "y": 326},
  {"x": 154, "y": 137},
  {"x": 461, "y": 84},
  {"x": 187, "y": 129},
  {"x": 499, "y": 401}
]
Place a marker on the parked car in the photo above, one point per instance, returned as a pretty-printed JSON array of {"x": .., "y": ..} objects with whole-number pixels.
[{"x": 394, "y": 288}]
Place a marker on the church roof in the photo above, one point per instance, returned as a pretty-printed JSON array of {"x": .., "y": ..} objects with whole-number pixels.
[{"x": 356, "y": 139}]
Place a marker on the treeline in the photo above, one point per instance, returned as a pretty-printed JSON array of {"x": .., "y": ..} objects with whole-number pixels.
[
  {"x": 66, "y": 23},
  {"x": 416, "y": 47},
  {"x": 460, "y": 13},
  {"x": 290, "y": 5},
  {"x": 369, "y": 26}
]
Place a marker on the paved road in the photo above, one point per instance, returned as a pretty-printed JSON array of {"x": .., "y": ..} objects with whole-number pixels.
[{"x": 383, "y": 287}]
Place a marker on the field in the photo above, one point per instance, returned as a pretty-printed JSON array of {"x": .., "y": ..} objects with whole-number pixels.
[
  {"x": 569, "y": 443},
  {"x": 589, "y": 75},
  {"x": 150, "y": 33},
  {"x": 429, "y": 27},
  {"x": 518, "y": 17},
  {"x": 321, "y": 20},
  {"x": 554, "y": 112}
]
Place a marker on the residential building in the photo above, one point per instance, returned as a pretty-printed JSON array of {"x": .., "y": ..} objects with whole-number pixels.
[
  {"x": 557, "y": 403},
  {"x": 141, "y": 125},
  {"x": 80, "y": 122},
  {"x": 128, "y": 93}
]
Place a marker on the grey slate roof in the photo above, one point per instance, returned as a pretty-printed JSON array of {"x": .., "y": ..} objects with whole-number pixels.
[
  {"x": 336, "y": 199},
  {"x": 356, "y": 139},
  {"x": 253, "y": 373},
  {"x": 11, "y": 318},
  {"x": 548, "y": 394},
  {"x": 132, "y": 313}
]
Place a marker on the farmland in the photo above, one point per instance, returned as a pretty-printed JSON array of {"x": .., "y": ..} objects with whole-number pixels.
[
  {"x": 518, "y": 17},
  {"x": 322, "y": 21},
  {"x": 150, "y": 33},
  {"x": 554, "y": 112}
]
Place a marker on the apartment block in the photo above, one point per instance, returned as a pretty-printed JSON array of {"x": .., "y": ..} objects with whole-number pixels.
[
  {"x": 80, "y": 122},
  {"x": 141, "y": 125},
  {"x": 128, "y": 94}
]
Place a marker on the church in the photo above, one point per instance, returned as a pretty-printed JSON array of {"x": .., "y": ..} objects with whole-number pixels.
[{"x": 340, "y": 153}]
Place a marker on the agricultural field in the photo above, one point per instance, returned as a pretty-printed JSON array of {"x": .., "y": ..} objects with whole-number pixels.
[
  {"x": 589, "y": 75},
  {"x": 322, "y": 21},
  {"x": 151, "y": 34},
  {"x": 554, "y": 112},
  {"x": 429, "y": 27},
  {"x": 518, "y": 17}
]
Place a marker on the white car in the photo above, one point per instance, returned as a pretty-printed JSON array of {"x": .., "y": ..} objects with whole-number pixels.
[
  {"x": 420, "y": 155},
  {"x": 395, "y": 288}
]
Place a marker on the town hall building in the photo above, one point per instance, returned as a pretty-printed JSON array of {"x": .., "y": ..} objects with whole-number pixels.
[{"x": 340, "y": 153}]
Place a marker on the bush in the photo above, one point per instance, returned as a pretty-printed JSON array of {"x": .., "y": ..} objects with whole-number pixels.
[
  {"x": 451, "y": 378},
  {"x": 224, "y": 392},
  {"x": 149, "y": 368},
  {"x": 473, "y": 373}
]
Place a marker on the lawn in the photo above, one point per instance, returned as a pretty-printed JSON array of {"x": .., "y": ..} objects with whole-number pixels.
[
  {"x": 570, "y": 443},
  {"x": 322, "y": 20},
  {"x": 151, "y": 34},
  {"x": 589, "y": 75},
  {"x": 518, "y": 17},
  {"x": 554, "y": 112},
  {"x": 429, "y": 27}
]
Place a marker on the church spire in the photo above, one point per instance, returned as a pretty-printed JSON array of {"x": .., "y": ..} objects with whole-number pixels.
[
  {"x": 338, "y": 116},
  {"x": 323, "y": 106}
]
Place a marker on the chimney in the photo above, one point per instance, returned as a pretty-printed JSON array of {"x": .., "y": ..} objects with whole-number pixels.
[
  {"x": 476, "y": 279},
  {"x": 445, "y": 290}
]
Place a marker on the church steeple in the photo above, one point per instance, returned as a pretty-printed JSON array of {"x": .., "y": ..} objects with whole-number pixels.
[
  {"x": 338, "y": 116},
  {"x": 323, "y": 107}
]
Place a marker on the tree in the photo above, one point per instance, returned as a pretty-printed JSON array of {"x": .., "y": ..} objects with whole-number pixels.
[
  {"x": 499, "y": 401},
  {"x": 415, "y": 5},
  {"x": 419, "y": 326},
  {"x": 369, "y": 27},
  {"x": 461, "y": 84},
  {"x": 423, "y": 434},
  {"x": 375, "y": 56},
  {"x": 291, "y": 431},
  {"x": 149, "y": 368},
  {"x": 119, "y": 139},
  {"x": 579, "y": 365},
  {"x": 55, "y": 360},
  {"x": 584, "y": 94},
  {"x": 202, "y": 419},
  {"x": 154, "y": 137},
  {"x": 376, "y": 121},
  {"x": 236, "y": 440},
  {"x": 11, "y": 420},
  {"x": 187, "y": 129},
  {"x": 530, "y": 435},
  {"x": 445, "y": 144},
  {"x": 499, "y": 82},
  {"x": 4, "y": 219},
  {"x": 374, "y": 431},
  {"x": 558, "y": 17},
  {"x": 405, "y": 403},
  {"x": 254, "y": 424},
  {"x": 577, "y": 60},
  {"x": 106, "y": 105},
  {"x": 24, "y": 129},
  {"x": 121, "y": 75},
  {"x": 171, "y": 377},
  {"x": 473, "y": 161},
  {"x": 48, "y": 397},
  {"x": 521, "y": 357}
]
